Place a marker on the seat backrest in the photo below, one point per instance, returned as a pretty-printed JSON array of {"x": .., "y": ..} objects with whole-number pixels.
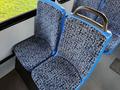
[
  {"x": 82, "y": 44},
  {"x": 91, "y": 3},
  {"x": 112, "y": 11},
  {"x": 48, "y": 21}
]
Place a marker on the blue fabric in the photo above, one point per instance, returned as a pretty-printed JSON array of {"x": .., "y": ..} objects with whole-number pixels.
[
  {"x": 81, "y": 43},
  {"x": 91, "y": 3},
  {"x": 112, "y": 11},
  {"x": 56, "y": 73},
  {"x": 80, "y": 49},
  {"x": 115, "y": 42},
  {"x": 48, "y": 27},
  {"x": 32, "y": 51},
  {"x": 48, "y": 21}
]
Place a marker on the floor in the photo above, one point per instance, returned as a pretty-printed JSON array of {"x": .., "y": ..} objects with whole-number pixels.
[
  {"x": 103, "y": 78},
  {"x": 12, "y": 81}
]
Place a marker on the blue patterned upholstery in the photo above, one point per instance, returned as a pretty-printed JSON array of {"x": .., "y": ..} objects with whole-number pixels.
[
  {"x": 80, "y": 49},
  {"x": 48, "y": 22},
  {"x": 56, "y": 73},
  {"x": 112, "y": 11},
  {"x": 48, "y": 27},
  {"x": 91, "y": 3},
  {"x": 115, "y": 42},
  {"x": 32, "y": 51}
]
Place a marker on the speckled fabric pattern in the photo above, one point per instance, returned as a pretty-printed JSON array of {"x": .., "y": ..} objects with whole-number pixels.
[
  {"x": 47, "y": 23},
  {"x": 32, "y": 51},
  {"x": 115, "y": 42},
  {"x": 78, "y": 49},
  {"x": 80, "y": 44},
  {"x": 56, "y": 73},
  {"x": 91, "y": 3},
  {"x": 112, "y": 11},
  {"x": 39, "y": 47}
]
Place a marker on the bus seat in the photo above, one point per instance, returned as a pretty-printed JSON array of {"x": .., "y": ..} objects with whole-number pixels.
[
  {"x": 111, "y": 10},
  {"x": 79, "y": 51},
  {"x": 43, "y": 44}
]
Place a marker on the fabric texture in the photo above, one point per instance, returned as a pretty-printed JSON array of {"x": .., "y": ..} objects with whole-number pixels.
[
  {"x": 78, "y": 49},
  {"x": 56, "y": 74},
  {"x": 80, "y": 44},
  {"x": 32, "y": 51},
  {"x": 91, "y": 3},
  {"x": 112, "y": 11},
  {"x": 115, "y": 42},
  {"x": 47, "y": 23},
  {"x": 42, "y": 45}
]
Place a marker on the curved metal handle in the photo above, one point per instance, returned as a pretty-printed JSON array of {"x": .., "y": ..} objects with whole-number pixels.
[{"x": 91, "y": 10}]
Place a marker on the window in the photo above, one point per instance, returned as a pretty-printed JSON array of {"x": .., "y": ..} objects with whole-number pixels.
[{"x": 12, "y": 8}]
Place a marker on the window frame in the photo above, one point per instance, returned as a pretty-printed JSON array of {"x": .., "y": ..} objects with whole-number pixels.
[{"x": 17, "y": 19}]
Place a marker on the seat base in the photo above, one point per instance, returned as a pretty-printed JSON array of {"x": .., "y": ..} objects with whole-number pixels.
[
  {"x": 32, "y": 51},
  {"x": 56, "y": 74}
]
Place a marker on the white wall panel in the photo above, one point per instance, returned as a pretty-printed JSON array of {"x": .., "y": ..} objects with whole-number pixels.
[{"x": 11, "y": 36}]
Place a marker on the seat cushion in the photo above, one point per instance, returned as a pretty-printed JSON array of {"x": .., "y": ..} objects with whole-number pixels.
[
  {"x": 56, "y": 74},
  {"x": 32, "y": 51},
  {"x": 115, "y": 42}
]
